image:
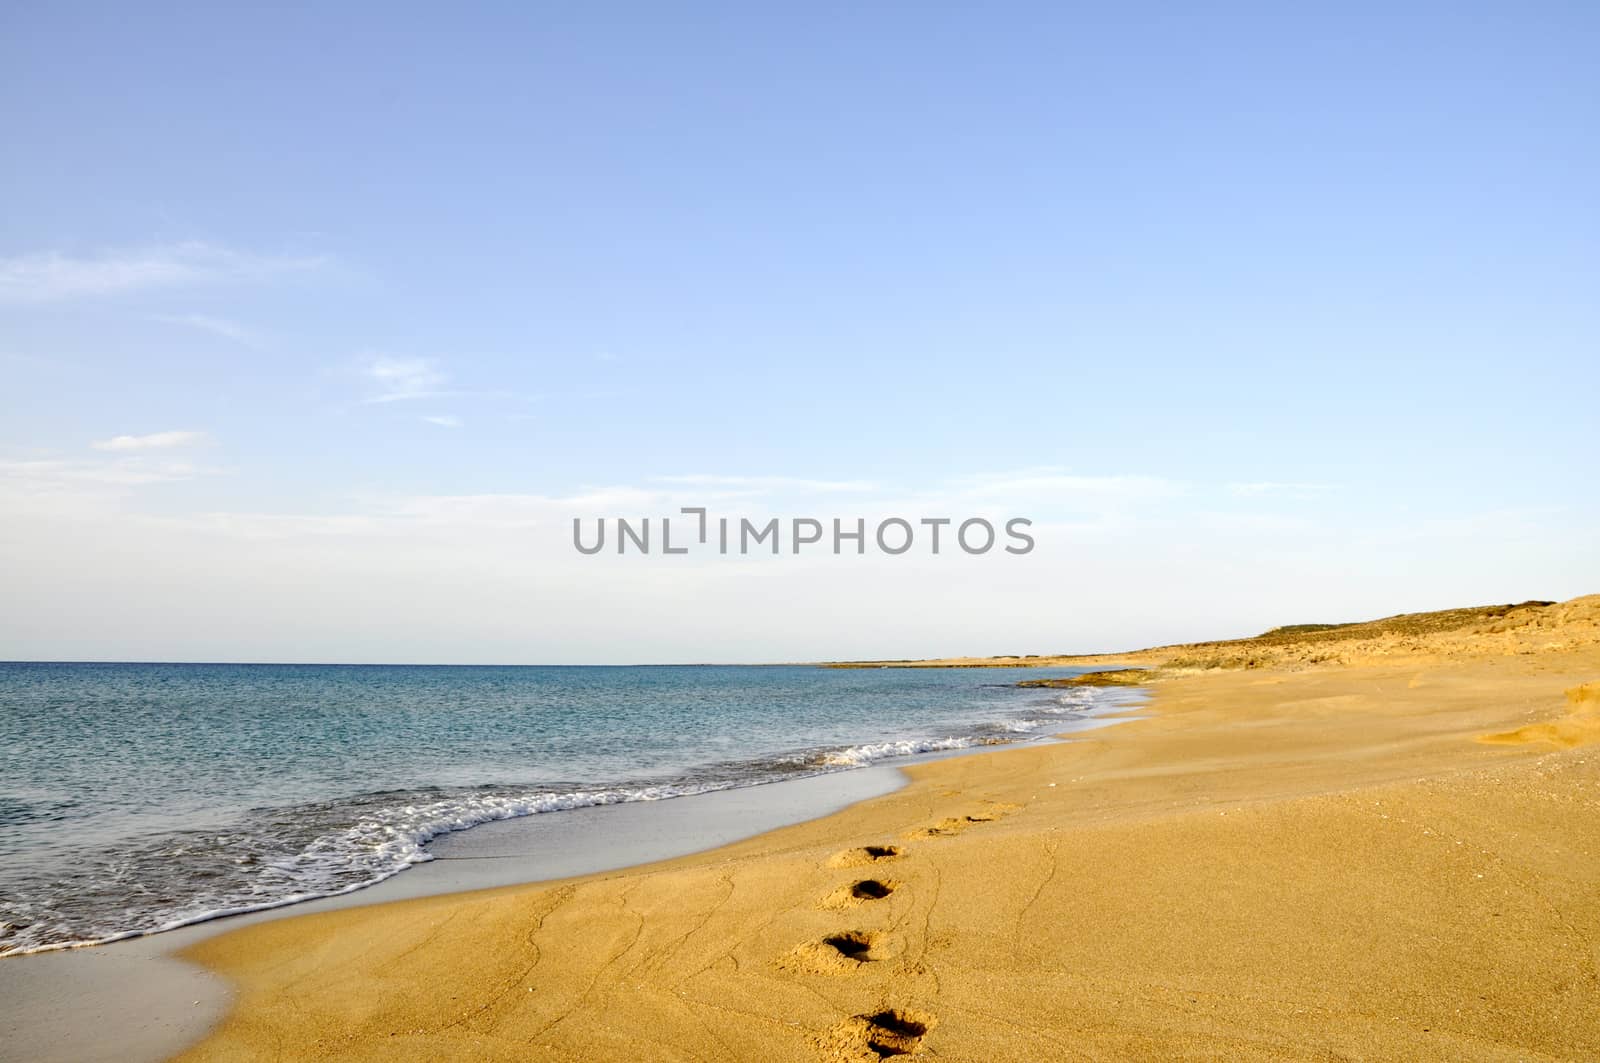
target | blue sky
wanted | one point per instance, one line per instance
(1273, 313)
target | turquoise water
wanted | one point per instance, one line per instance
(138, 797)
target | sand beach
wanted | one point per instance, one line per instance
(1372, 842)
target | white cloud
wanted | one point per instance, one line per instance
(1269, 487)
(443, 420)
(89, 487)
(153, 441)
(768, 483)
(51, 275)
(398, 517)
(452, 576)
(217, 326)
(403, 379)
(125, 472)
(1047, 483)
(389, 379)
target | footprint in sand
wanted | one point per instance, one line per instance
(845, 952)
(867, 854)
(879, 1035)
(956, 824)
(863, 892)
(942, 829)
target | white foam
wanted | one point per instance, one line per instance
(858, 756)
(384, 841)
(1017, 726)
(374, 848)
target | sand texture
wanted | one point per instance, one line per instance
(1379, 846)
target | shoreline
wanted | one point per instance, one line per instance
(1392, 854)
(150, 1003)
(268, 826)
(177, 1002)
(1274, 862)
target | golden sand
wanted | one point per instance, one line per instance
(1389, 852)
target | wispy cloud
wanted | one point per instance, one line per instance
(387, 379)
(443, 420)
(86, 486)
(767, 483)
(122, 472)
(153, 441)
(1268, 487)
(403, 379)
(216, 326)
(53, 275)
(1052, 482)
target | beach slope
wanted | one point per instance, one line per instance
(1385, 846)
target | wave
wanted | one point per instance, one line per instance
(871, 752)
(380, 844)
(276, 857)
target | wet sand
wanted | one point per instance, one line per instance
(136, 1001)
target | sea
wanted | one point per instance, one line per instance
(136, 798)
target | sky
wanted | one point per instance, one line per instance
(319, 326)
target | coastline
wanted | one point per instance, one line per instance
(119, 830)
(148, 1003)
(1389, 854)
(1275, 862)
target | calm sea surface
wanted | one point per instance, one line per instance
(139, 797)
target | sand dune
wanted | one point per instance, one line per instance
(1377, 845)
